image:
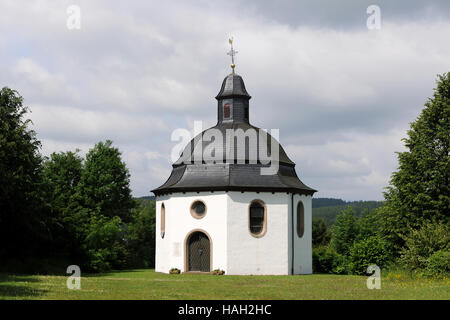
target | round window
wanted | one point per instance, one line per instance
(198, 209)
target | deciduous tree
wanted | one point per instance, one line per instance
(23, 220)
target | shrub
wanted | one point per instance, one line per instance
(340, 265)
(438, 264)
(321, 234)
(98, 260)
(140, 238)
(218, 272)
(327, 260)
(422, 244)
(322, 259)
(105, 245)
(366, 252)
(174, 271)
(345, 231)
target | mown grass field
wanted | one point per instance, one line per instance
(146, 284)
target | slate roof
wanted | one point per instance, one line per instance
(232, 171)
(188, 154)
(233, 86)
(232, 177)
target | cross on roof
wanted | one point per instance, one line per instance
(232, 53)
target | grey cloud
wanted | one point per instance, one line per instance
(343, 14)
(138, 70)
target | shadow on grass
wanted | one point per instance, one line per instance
(18, 287)
(17, 278)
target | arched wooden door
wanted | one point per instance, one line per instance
(198, 252)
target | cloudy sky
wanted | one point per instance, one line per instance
(342, 95)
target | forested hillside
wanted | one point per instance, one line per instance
(145, 201)
(326, 202)
(329, 208)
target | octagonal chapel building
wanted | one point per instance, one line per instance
(225, 214)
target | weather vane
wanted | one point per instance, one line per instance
(232, 53)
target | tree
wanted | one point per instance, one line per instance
(141, 236)
(345, 231)
(327, 260)
(62, 173)
(23, 219)
(101, 208)
(104, 244)
(320, 233)
(419, 190)
(367, 251)
(105, 183)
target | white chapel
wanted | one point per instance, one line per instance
(222, 212)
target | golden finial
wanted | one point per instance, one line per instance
(232, 53)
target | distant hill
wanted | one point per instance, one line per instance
(326, 202)
(329, 208)
(145, 200)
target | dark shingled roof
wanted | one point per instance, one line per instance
(232, 173)
(233, 86)
(188, 153)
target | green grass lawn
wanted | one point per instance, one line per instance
(146, 284)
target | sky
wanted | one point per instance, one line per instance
(341, 94)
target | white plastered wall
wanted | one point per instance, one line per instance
(170, 251)
(233, 248)
(264, 255)
(303, 245)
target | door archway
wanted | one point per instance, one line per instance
(198, 252)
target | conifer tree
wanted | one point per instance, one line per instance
(419, 189)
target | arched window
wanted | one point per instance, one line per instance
(163, 220)
(198, 209)
(300, 219)
(257, 217)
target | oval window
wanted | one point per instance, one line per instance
(300, 219)
(198, 209)
(163, 220)
(257, 218)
